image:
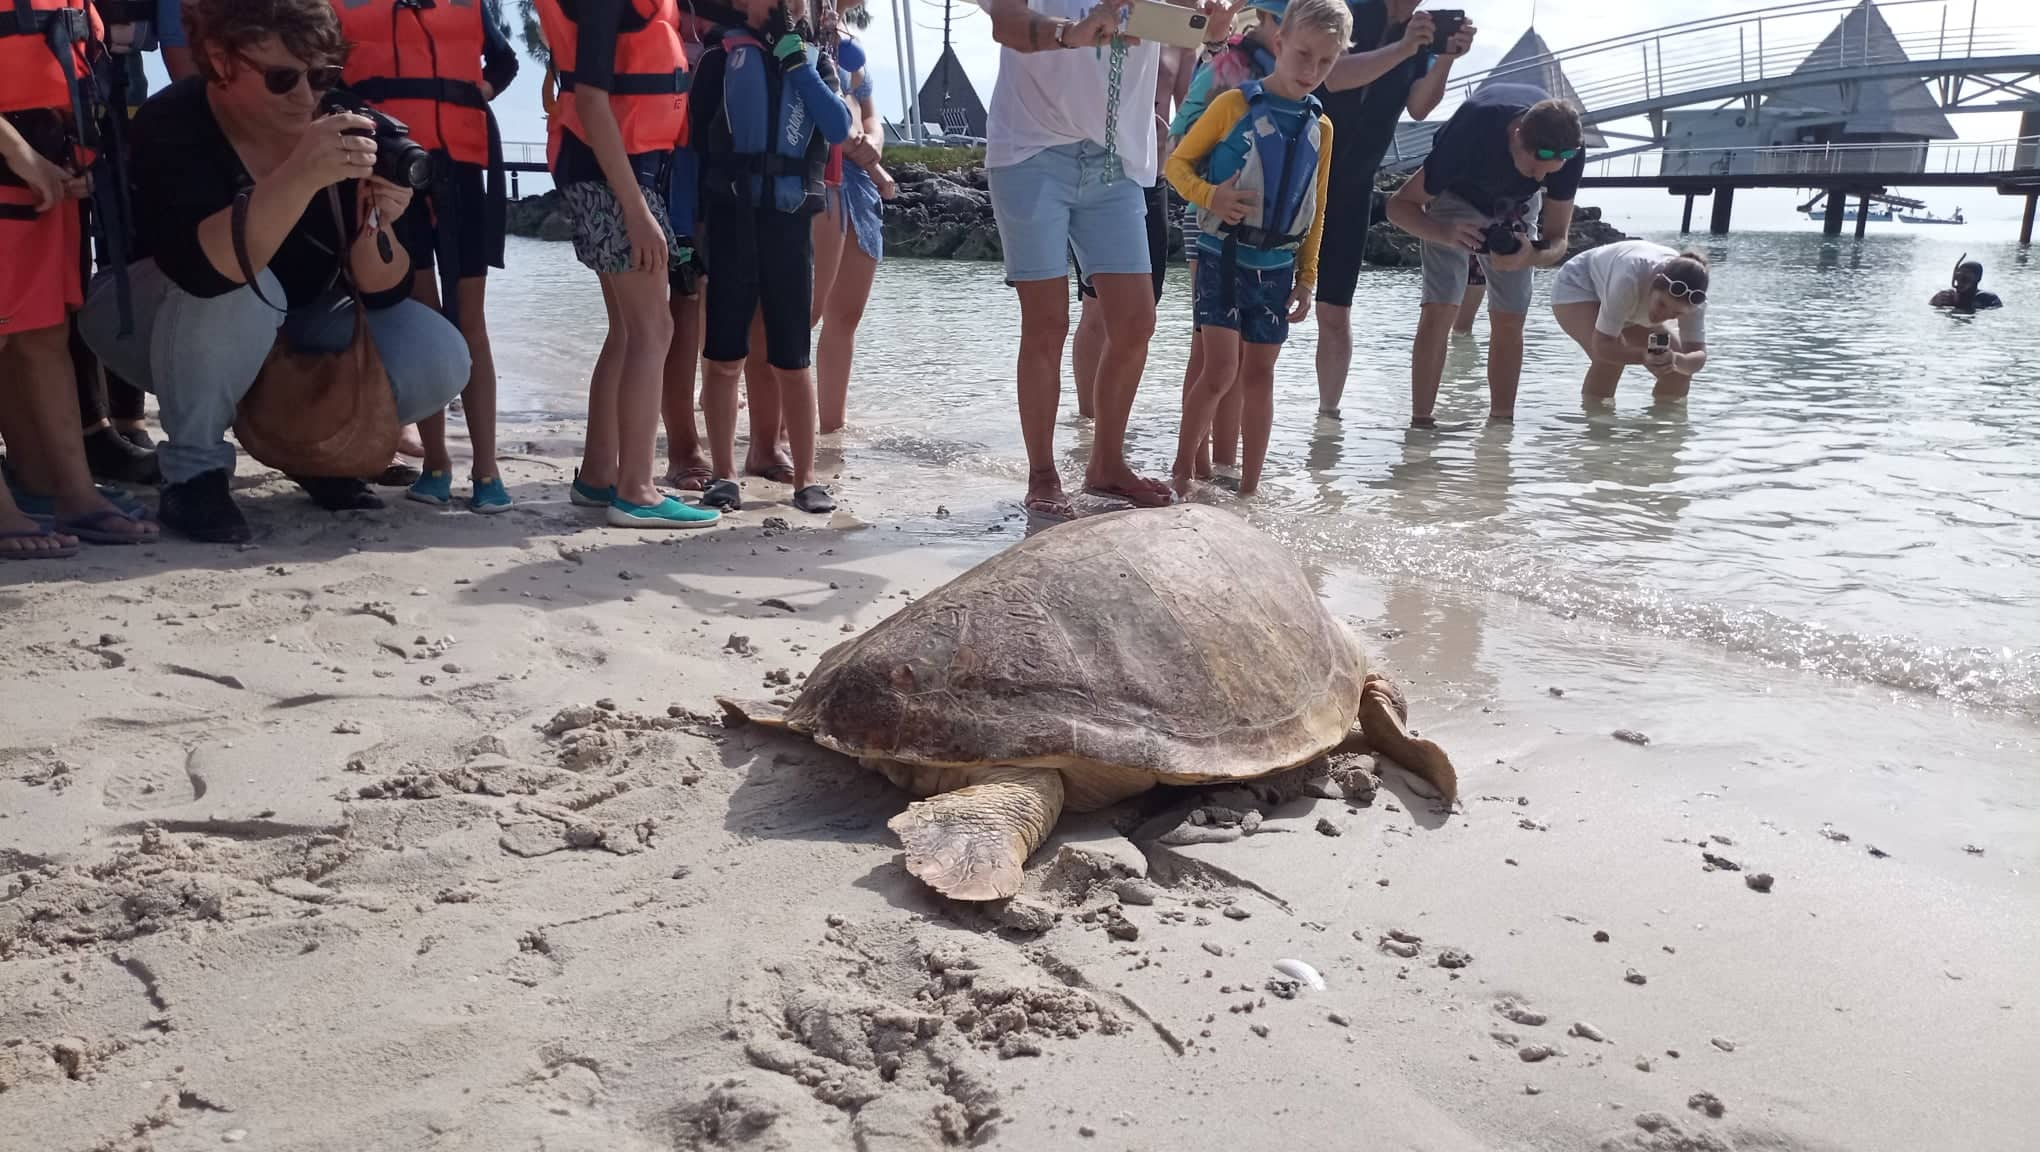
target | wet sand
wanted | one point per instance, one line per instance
(415, 830)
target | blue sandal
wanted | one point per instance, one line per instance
(91, 527)
(64, 552)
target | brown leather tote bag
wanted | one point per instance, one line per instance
(318, 414)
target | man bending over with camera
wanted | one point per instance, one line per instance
(1507, 150)
(248, 195)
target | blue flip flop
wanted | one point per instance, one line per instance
(37, 533)
(91, 527)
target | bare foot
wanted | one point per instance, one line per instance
(1124, 484)
(1045, 496)
(409, 443)
(776, 466)
(688, 473)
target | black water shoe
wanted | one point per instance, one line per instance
(202, 509)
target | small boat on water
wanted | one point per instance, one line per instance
(1879, 214)
(1925, 217)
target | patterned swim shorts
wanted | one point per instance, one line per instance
(601, 239)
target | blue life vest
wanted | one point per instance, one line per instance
(1280, 166)
(772, 148)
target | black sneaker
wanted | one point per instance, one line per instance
(114, 457)
(202, 509)
(139, 437)
(340, 493)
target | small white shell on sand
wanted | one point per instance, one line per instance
(1298, 970)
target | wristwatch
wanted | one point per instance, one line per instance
(1061, 26)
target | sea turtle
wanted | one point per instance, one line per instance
(1089, 663)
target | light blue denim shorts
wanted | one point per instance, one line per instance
(1057, 199)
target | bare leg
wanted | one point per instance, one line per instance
(478, 399)
(1225, 429)
(39, 418)
(826, 233)
(1505, 363)
(766, 456)
(838, 344)
(1578, 320)
(1427, 359)
(641, 302)
(1221, 348)
(1127, 302)
(1201, 466)
(719, 412)
(1335, 356)
(1084, 358)
(797, 413)
(1257, 409)
(1469, 307)
(599, 450)
(432, 429)
(1044, 329)
(676, 400)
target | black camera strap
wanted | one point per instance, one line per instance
(237, 226)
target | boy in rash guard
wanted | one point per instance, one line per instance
(763, 111)
(1257, 165)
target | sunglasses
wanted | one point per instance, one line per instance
(284, 81)
(1557, 153)
(1681, 290)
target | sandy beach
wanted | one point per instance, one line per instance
(420, 830)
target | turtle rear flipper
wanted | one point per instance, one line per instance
(1386, 735)
(973, 843)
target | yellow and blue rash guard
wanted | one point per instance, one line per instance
(1220, 152)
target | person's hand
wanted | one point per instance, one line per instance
(1467, 234)
(791, 51)
(387, 200)
(1219, 15)
(1299, 303)
(1517, 261)
(1098, 26)
(1461, 40)
(488, 91)
(1660, 361)
(48, 182)
(326, 154)
(861, 150)
(647, 240)
(1232, 205)
(1417, 34)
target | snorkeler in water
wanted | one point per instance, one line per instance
(1962, 293)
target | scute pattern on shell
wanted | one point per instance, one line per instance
(1180, 643)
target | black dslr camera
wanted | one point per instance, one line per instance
(398, 158)
(1502, 239)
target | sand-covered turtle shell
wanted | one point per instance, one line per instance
(1180, 645)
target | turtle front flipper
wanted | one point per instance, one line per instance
(973, 843)
(1383, 727)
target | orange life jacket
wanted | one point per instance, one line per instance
(31, 71)
(649, 93)
(422, 65)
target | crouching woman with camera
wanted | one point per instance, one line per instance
(250, 199)
(1615, 302)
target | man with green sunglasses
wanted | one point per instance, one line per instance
(1499, 183)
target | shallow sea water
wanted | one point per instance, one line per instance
(1853, 488)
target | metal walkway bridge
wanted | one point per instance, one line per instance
(1966, 61)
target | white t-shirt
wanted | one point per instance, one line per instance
(1055, 97)
(1622, 274)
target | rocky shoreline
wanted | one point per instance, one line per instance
(948, 216)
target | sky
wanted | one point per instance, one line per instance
(1564, 24)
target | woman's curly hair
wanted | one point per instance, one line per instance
(308, 30)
